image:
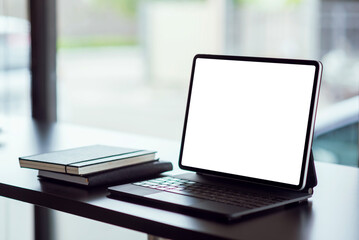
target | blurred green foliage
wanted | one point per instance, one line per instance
(125, 7)
(284, 2)
(95, 41)
(129, 7)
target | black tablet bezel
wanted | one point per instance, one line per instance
(310, 125)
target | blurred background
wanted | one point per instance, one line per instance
(125, 65)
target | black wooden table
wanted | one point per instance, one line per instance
(332, 213)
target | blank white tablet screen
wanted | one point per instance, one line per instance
(249, 118)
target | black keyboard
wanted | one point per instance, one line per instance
(211, 192)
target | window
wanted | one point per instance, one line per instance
(14, 100)
(14, 58)
(125, 64)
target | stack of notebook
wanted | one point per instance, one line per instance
(96, 165)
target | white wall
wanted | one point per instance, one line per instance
(175, 31)
(16, 220)
(70, 227)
